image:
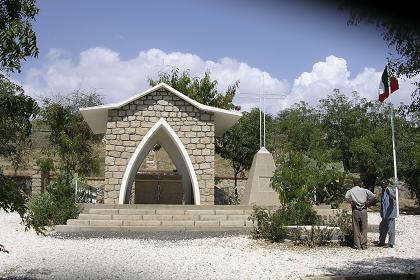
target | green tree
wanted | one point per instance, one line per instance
(372, 149)
(17, 111)
(71, 137)
(342, 123)
(373, 156)
(72, 141)
(408, 157)
(301, 178)
(300, 128)
(240, 143)
(400, 29)
(15, 118)
(19, 159)
(203, 90)
(17, 39)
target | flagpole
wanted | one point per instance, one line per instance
(394, 153)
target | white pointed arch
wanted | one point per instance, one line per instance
(174, 147)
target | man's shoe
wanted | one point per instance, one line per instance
(380, 245)
(390, 246)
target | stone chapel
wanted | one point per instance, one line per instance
(161, 116)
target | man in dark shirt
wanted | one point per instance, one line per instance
(388, 214)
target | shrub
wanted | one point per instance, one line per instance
(53, 207)
(268, 224)
(316, 236)
(300, 213)
(41, 210)
(344, 222)
(271, 224)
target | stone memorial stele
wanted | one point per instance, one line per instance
(258, 189)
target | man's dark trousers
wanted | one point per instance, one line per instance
(360, 227)
(387, 226)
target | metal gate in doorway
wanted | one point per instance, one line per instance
(159, 188)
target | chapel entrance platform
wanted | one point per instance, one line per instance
(161, 218)
(155, 217)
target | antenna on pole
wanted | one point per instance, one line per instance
(263, 109)
(261, 97)
(163, 65)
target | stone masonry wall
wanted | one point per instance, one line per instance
(36, 179)
(126, 127)
(228, 185)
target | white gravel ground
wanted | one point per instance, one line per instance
(224, 257)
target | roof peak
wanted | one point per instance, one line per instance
(97, 116)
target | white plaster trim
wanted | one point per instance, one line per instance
(97, 116)
(181, 148)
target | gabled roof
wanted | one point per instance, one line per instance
(97, 116)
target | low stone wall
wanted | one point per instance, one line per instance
(99, 184)
(225, 187)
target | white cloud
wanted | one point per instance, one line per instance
(117, 79)
(333, 73)
(103, 69)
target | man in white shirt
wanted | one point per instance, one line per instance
(359, 199)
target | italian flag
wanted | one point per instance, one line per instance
(387, 83)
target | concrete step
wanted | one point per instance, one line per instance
(96, 208)
(178, 217)
(209, 214)
(77, 228)
(127, 218)
(153, 225)
(164, 211)
(74, 228)
(164, 206)
(148, 217)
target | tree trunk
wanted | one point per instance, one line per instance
(236, 185)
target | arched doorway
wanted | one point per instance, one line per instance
(163, 134)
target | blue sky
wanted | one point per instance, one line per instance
(303, 51)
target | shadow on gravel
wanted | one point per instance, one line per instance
(164, 236)
(17, 278)
(384, 265)
(38, 271)
(408, 210)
